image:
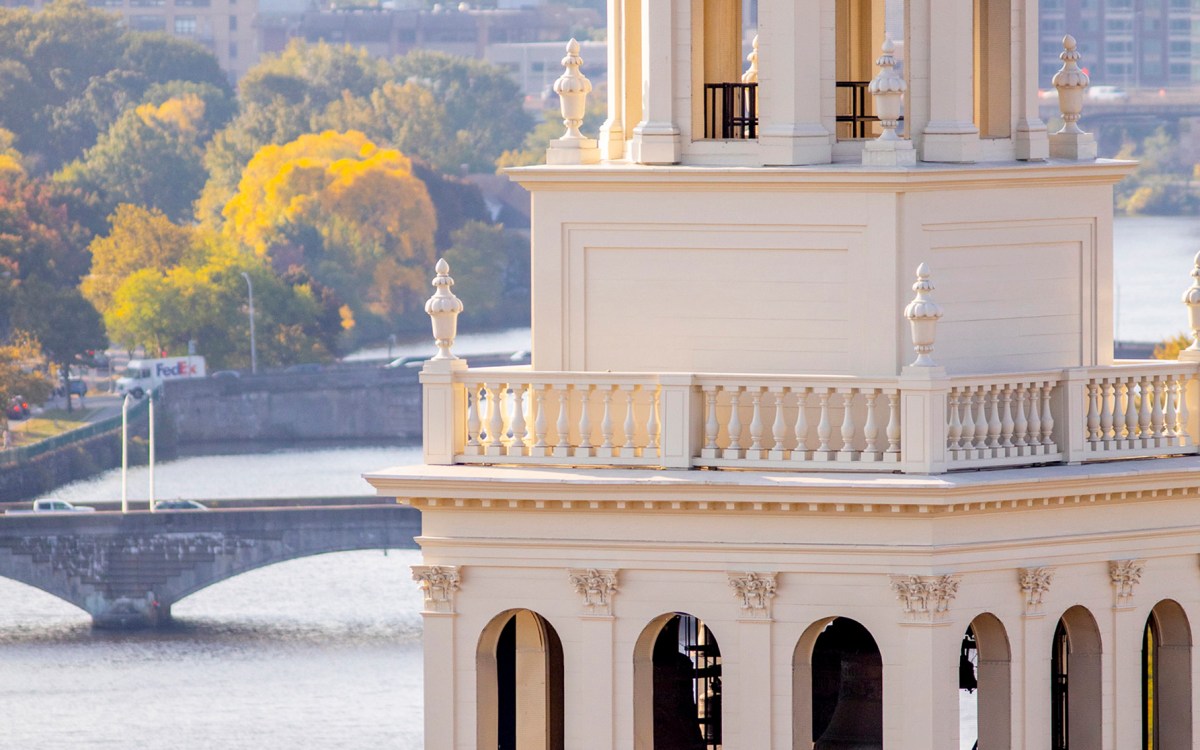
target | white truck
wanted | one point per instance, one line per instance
(52, 506)
(144, 375)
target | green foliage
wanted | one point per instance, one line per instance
(21, 372)
(1161, 184)
(490, 267)
(66, 325)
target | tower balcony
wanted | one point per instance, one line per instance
(919, 422)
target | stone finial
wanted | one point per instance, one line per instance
(1125, 575)
(888, 88)
(751, 74)
(1191, 298)
(1035, 582)
(754, 591)
(597, 587)
(443, 308)
(923, 314)
(1071, 142)
(439, 584)
(573, 88)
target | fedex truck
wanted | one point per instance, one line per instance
(144, 375)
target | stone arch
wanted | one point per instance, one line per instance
(1167, 678)
(992, 72)
(1075, 688)
(519, 683)
(837, 682)
(677, 685)
(992, 676)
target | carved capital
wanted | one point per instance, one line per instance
(439, 584)
(754, 592)
(597, 587)
(1035, 582)
(1125, 575)
(926, 598)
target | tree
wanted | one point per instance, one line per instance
(351, 213)
(21, 373)
(66, 325)
(315, 75)
(490, 267)
(151, 156)
(139, 238)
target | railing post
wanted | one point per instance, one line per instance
(1070, 414)
(443, 410)
(923, 417)
(681, 407)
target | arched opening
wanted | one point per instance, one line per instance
(985, 685)
(724, 99)
(519, 666)
(677, 686)
(837, 683)
(1075, 709)
(1167, 679)
(993, 68)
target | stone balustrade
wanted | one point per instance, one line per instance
(516, 415)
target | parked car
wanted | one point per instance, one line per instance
(78, 388)
(52, 506)
(180, 505)
(18, 408)
(1107, 94)
(226, 375)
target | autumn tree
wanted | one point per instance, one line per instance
(65, 324)
(491, 273)
(139, 238)
(351, 213)
(20, 372)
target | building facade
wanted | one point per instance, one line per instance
(823, 444)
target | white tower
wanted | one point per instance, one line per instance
(737, 501)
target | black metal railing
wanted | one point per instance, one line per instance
(853, 116)
(731, 111)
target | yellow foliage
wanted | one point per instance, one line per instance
(183, 114)
(1170, 348)
(139, 238)
(10, 165)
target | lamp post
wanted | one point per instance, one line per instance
(125, 453)
(253, 349)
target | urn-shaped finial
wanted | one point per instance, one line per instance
(888, 89)
(1191, 298)
(1070, 82)
(751, 74)
(572, 88)
(923, 314)
(443, 308)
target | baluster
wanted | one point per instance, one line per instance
(981, 422)
(473, 423)
(1035, 417)
(606, 424)
(1093, 413)
(1020, 423)
(539, 422)
(711, 426)
(994, 425)
(1156, 411)
(734, 426)
(562, 449)
(824, 428)
(1107, 398)
(652, 424)
(1132, 412)
(1184, 428)
(778, 426)
(629, 449)
(1118, 418)
(1169, 418)
(954, 425)
(968, 423)
(518, 427)
(1047, 417)
(585, 448)
(847, 452)
(800, 453)
(893, 425)
(756, 424)
(1145, 412)
(495, 446)
(1006, 419)
(870, 428)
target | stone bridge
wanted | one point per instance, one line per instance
(126, 570)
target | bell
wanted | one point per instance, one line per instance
(857, 720)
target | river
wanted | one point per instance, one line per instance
(323, 652)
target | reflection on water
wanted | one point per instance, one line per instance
(322, 652)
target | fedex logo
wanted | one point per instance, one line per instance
(179, 369)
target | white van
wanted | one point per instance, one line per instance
(144, 375)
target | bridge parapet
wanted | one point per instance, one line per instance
(128, 570)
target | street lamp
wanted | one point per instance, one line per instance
(253, 349)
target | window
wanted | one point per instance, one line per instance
(233, 50)
(185, 25)
(233, 23)
(147, 23)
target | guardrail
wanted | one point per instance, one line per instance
(918, 422)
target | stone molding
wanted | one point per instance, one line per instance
(754, 592)
(926, 598)
(1125, 576)
(597, 586)
(1035, 582)
(439, 583)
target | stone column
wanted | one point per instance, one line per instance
(941, 49)
(596, 658)
(753, 594)
(789, 89)
(437, 640)
(443, 410)
(1030, 139)
(612, 132)
(920, 703)
(1126, 638)
(656, 138)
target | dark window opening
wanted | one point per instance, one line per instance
(687, 686)
(847, 689)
